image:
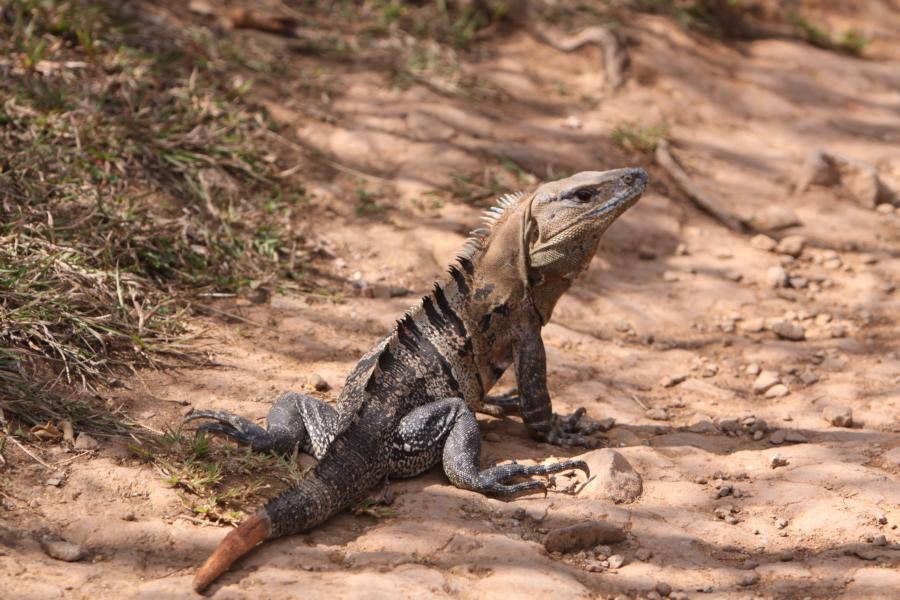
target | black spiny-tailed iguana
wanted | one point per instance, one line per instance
(409, 403)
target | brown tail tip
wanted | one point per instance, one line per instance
(237, 543)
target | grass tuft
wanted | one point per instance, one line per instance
(134, 174)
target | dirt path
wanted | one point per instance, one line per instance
(672, 295)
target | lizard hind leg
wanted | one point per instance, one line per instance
(294, 420)
(447, 430)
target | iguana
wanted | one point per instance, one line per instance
(409, 404)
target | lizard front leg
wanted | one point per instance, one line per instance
(534, 398)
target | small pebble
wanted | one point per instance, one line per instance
(320, 384)
(763, 242)
(777, 391)
(781, 523)
(670, 276)
(63, 550)
(749, 579)
(777, 277)
(838, 415)
(128, 516)
(779, 461)
(765, 380)
(657, 414)
(663, 589)
(643, 554)
(786, 555)
(616, 561)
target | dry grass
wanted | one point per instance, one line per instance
(134, 175)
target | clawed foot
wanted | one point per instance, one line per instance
(569, 430)
(237, 428)
(501, 405)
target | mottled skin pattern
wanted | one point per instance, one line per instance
(409, 403)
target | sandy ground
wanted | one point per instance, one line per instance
(672, 294)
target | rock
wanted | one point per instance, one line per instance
(881, 518)
(823, 319)
(643, 554)
(616, 561)
(657, 414)
(786, 555)
(879, 540)
(838, 415)
(749, 579)
(663, 589)
(885, 208)
(606, 424)
(729, 424)
(62, 550)
(613, 477)
(788, 330)
(799, 283)
(320, 384)
(777, 277)
(645, 253)
(778, 436)
(763, 242)
(781, 523)
(778, 390)
(809, 377)
(128, 516)
(678, 596)
(86, 442)
(703, 425)
(765, 380)
(838, 330)
(753, 325)
(791, 245)
(670, 276)
(795, 437)
(56, 479)
(775, 217)
(673, 380)
(779, 461)
(573, 122)
(582, 536)
(752, 369)
(859, 178)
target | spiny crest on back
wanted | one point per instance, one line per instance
(490, 217)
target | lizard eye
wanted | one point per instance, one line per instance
(628, 179)
(584, 195)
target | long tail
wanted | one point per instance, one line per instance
(336, 482)
(238, 542)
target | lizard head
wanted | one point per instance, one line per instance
(565, 222)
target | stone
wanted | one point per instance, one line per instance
(643, 554)
(788, 330)
(657, 414)
(749, 579)
(809, 377)
(616, 561)
(792, 245)
(128, 516)
(763, 242)
(765, 380)
(753, 325)
(86, 442)
(646, 253)
(614, 478)
(838, 330)
(777, 277)
(702, 425)
(753, 369)
(795, 437)
(320, 384)
(778, 390)
(582, 536)
(670, 277)
(786, 555)
(62, 550)
(673, 380)
(779, 461)
(663, 589)
(729, 424)
(838, 415)
(775, 217)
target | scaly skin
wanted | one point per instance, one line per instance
(409, 403)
